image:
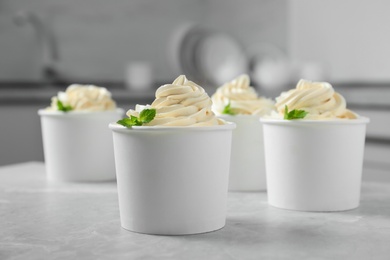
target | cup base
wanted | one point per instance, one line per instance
(315, 209)
(177, 229)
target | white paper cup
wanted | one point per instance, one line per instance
(314, 165)
(247, 166)
(172, 180)
(78, 146)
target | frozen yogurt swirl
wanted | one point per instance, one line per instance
(242, 98)
(319, 99)
(84, 98)
(182, 103)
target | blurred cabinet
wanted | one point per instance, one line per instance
(20, 134)
(377, 151)
(377, 161)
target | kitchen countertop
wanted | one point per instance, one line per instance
(42, 220)
(43, 95)
(369, 95)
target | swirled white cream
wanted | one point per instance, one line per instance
(242, 98)
(319, 99)
(84, 98)
(182, 103)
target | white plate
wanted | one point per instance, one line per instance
(207, 57)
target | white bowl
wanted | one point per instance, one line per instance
(247, 166)
(78, 146)
(172, 180)
(314, 165)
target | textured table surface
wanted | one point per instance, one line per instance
(40, 220)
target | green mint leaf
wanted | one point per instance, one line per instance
(286, 112)
(228, 110)
(130, 121)
(294, 114)
(63, 108)
(126, 122)
(147, 115)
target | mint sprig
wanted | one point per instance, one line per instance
(294, 114)
(228, 110)
(145, 117)
(62, 107)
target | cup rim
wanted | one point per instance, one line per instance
(56, 113)
(278, 121)
(119, 128)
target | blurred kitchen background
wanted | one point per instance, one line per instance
(132, 47)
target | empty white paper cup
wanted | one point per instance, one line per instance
(247, 166)
(172, 180)
(77, 145)
(314, 165)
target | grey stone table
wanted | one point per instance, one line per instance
(40, 220)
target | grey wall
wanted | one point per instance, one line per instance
(349, 38)
(97, 38)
